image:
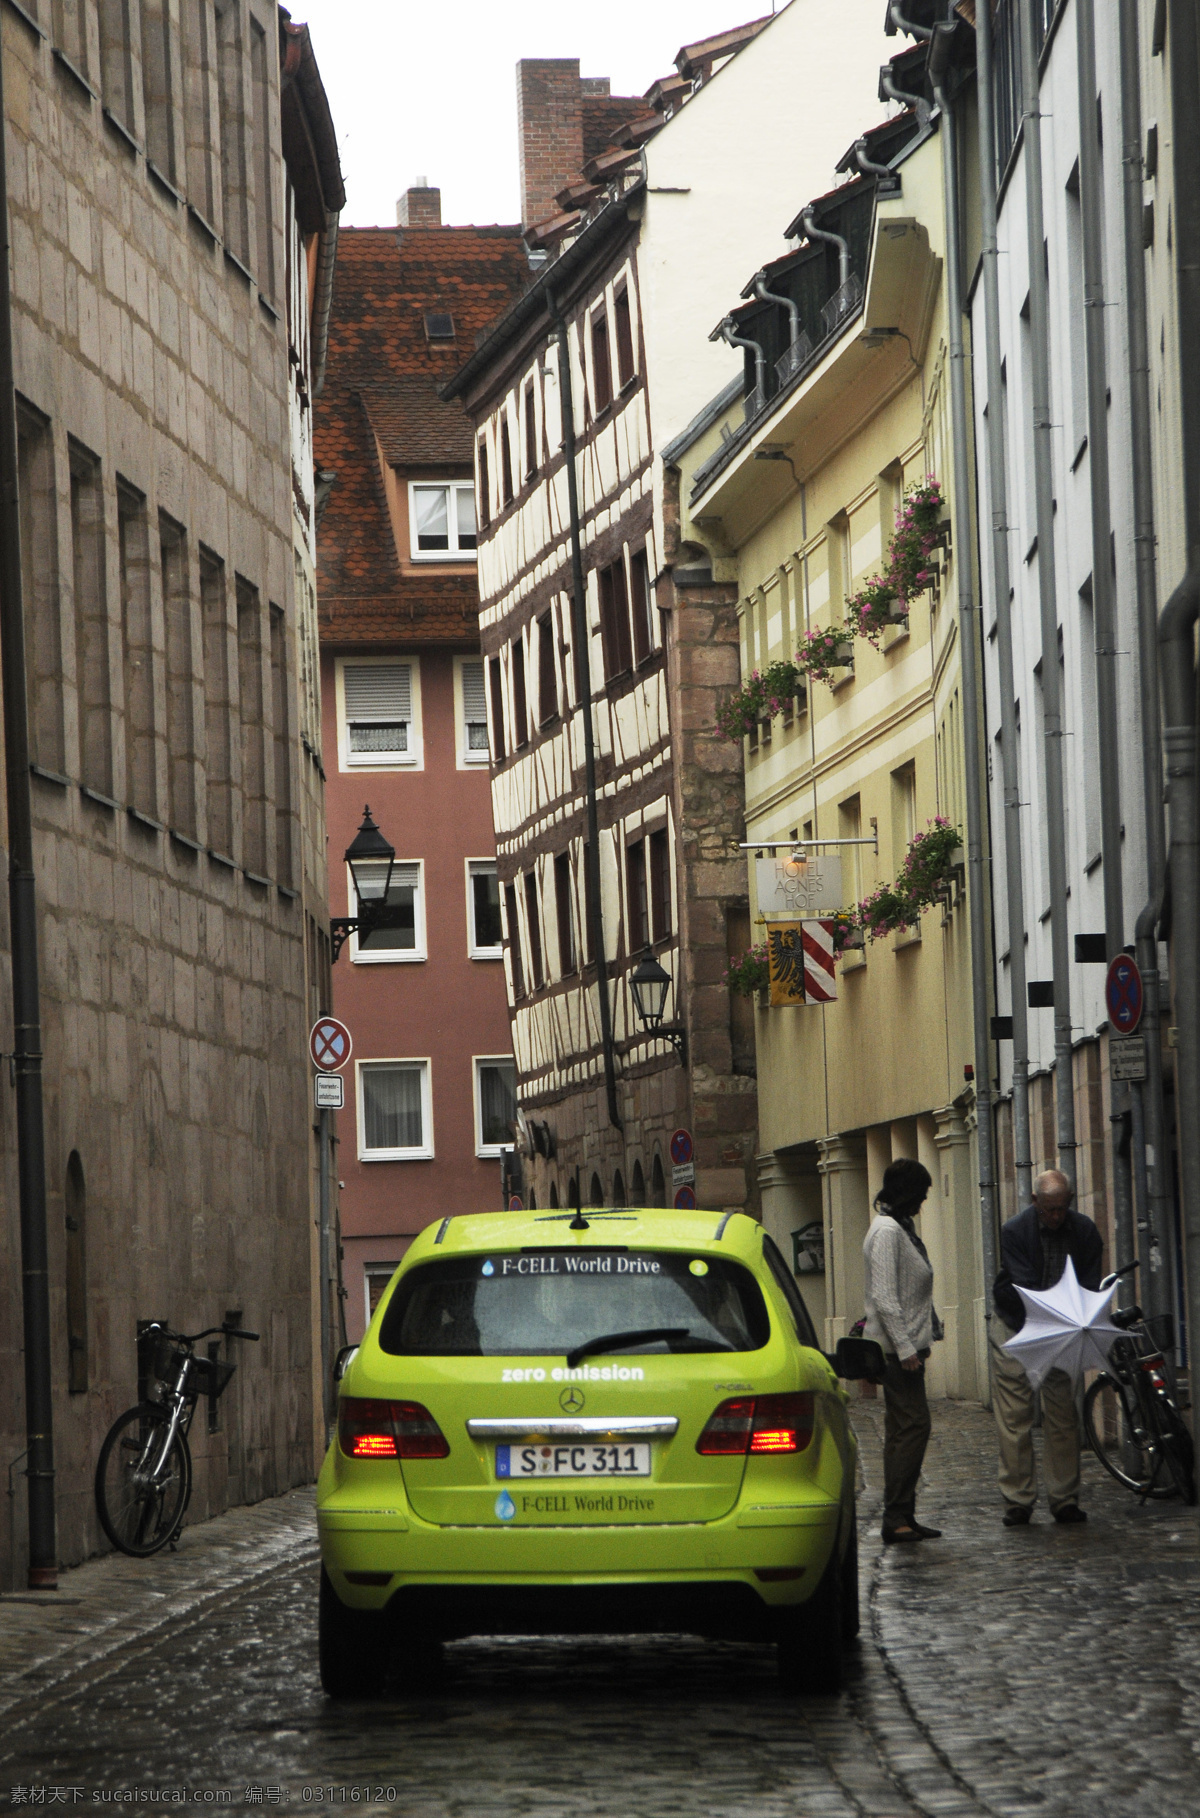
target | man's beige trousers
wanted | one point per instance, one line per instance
(1012, 1404)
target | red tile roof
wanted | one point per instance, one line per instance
(381, 380)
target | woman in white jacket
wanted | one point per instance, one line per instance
(900, 1317)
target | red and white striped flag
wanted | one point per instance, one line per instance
(820, 977)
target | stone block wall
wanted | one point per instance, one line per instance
(151, 364)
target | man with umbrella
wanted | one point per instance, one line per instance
(1034, 1248)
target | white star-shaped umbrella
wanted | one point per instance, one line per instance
(1066, 1328)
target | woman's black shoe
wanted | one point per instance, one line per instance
(924, 1533)
(909, 1531)
(1016, 1515)
(1069, 1513)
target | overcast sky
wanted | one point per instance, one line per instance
(421, 89)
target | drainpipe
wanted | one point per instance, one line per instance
(22, 899)
(1002, 589)
(1043, 473)
(808, 223)
(724, 332)
(1150, 1154)
(889, 91)
(579, 635)
(968, 615)
(769, 296)
(889, 179)
(1177, 650)
(1176, 635)
(1103, 584)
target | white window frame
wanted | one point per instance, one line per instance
(474, 952)
(414, 757)
(454, 554)
(486, 1151)
(470, 760)
(392, 956)
(423, 1152)
(369, 1269)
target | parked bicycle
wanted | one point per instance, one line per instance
(144, 1474)
(1129, 1413)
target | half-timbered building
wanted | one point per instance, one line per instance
(619, 809)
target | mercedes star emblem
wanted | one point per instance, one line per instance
(571, 1400)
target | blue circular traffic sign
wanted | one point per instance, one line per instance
(685, 1199)
(681, 1148)
(1123, 994)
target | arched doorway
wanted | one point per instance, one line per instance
(618, 1197)
(595, 1192)
(639, 1185)
(658, 1183)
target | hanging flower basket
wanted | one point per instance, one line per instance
(749, 975)
(822, 653)
(926, 877)
(762, 696)
(874, 607)
(929, 862)
(918, 533)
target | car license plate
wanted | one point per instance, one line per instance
(586, 1460)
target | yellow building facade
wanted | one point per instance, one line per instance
(797, 505)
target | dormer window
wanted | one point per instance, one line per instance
(439, 325)
(442, 520)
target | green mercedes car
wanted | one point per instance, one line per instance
(596, 1422)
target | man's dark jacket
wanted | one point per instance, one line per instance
(1021, 1259)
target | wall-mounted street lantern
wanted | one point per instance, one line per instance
(649, 984)
(370, 859)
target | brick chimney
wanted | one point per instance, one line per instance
(550, 130)
(419, 206)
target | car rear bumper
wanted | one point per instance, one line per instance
(570, 1566)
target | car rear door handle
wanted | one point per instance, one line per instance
(587, 1426)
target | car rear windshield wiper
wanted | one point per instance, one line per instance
(616, 1341)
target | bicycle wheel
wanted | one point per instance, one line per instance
(1177, 1449)
(141, 1502)
(1108, 1421)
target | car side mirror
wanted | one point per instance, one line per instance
(343, 1360)
(858, 1359)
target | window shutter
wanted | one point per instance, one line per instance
(474, 701)
(378, 691)
(378, 706)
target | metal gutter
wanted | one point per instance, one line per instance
(968, 629)
(1014, 861)
(1052, 720)
(1104, 607)
(704, 419)
(1150, 1155)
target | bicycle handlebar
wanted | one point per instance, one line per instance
(1110, 1281)
(193, 1338)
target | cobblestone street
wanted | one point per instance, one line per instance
(998, 1670)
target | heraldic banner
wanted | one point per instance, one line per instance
(785, 963)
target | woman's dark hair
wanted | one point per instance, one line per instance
(905, 1184)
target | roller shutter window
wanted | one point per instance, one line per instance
(474, 712)
(378, 702)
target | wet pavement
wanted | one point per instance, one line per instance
(1034, 1671)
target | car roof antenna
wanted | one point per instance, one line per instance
(579, 1222)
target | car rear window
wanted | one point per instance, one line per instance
(545, 1303)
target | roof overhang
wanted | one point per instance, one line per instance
(812, 418)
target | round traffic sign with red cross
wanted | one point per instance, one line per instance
(329, 1044)
(681, 1148)
(1123, 994)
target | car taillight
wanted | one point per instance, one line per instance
(759, 1423)
(388, 1429)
